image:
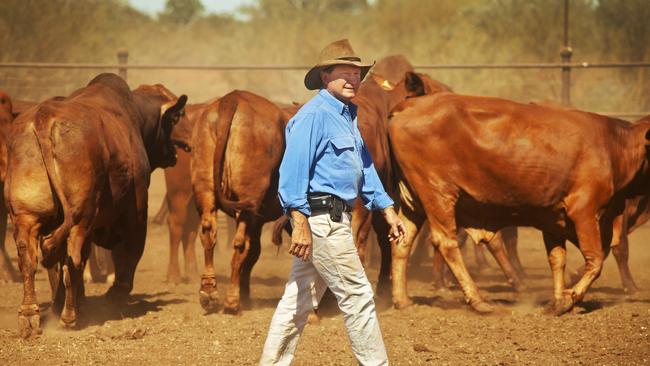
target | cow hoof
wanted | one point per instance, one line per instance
(631, 289)
(117, 296)
(313, 319)
(482, 306)
(383, 290)
(69, 322)
(29, 320)
(209, 301)
(560, 306)
(519, 286)
(231, 305)
(402, 304)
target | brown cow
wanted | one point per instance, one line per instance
(78, 171)
(7, 272)
(389, 82)
(182, 217)
(237, 146)
(486, 163)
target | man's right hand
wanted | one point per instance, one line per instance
(301, 236)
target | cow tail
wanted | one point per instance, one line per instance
(43, 131)
(226, 112)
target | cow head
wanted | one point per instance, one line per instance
(162, 111)
(171, 113)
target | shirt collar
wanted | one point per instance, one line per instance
(337, 104)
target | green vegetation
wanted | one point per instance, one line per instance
(293, 31)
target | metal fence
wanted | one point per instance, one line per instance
(565, 68)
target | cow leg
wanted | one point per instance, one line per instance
(99, 263)
(78, 250)
(556, 251)
(442, 222)
(26, 238)
(361, 225)
(208, 293)
(479, 257)
(621, 253)
(400, 256)
(189, 241)
(7, 272)
(591, 247)
(509, 235)
(126, 256)
(175, 223)
(241, 245)
(441, 276)
(246, 260)
(383, 282)
(621, 250)
(162, 213)
(497, 249)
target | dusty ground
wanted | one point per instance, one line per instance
(164, 324)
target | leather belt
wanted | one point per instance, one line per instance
(322, 203)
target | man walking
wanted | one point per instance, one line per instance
(325, 167)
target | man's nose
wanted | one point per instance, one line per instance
(354, 80)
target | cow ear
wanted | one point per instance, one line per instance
(383, 83)
(414, 84)
(173, 112)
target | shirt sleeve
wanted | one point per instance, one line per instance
(373, 194)
(303, 136)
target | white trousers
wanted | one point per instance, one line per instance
(335, 264)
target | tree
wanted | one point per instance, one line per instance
(181, 12)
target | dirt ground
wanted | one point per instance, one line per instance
(164, 324)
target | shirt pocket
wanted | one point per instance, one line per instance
(343, 154)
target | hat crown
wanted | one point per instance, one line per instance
(338, 50)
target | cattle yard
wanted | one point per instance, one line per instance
(164, 324)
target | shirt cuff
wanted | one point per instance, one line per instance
(304, 209)
(379, 202)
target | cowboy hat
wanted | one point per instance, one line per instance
(335, 53)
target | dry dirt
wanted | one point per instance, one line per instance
(164, 324)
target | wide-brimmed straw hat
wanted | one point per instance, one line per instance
(335, 53)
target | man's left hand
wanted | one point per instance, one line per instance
(397, 229)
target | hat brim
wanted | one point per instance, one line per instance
(312, 78)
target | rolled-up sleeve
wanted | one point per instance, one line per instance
(303, 136)
(373, 194)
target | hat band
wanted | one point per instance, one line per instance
(357, 59)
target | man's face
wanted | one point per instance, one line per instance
(342, 81)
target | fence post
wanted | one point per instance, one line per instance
(565, 54)
(122, 59)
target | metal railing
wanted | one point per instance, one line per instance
(122, 66)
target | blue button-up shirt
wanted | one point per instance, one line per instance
(325, 153)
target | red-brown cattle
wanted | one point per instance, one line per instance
(486, 163)
(389, 82)
(237, 144)
(78, 172)
(182, 217)
(7, 272)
